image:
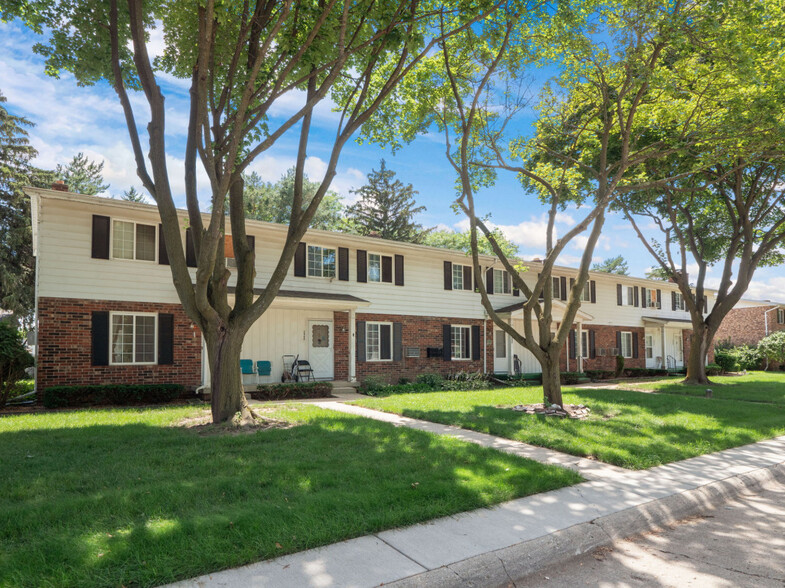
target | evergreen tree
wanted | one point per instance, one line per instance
(270, 202)
(83, 176)
(613, 265)
(386, 208)
(133, 195)
(17, 267)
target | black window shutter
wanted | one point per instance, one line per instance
(659, 298)
(299, 260)
(360, 341)
(399, 270)
(163, 254)
(563, 287)
(190, 249)
(592, 345)
(448, 275)
(619, 295)
(446, 342)
(343, 264)
(643, 298)
(362, 265)
(165, 339)
(516, 292)
(385, 352)
(467, 278)
(673, 300)
(476, 342)
(634, 345)
(387, 269)
(489, 280)
(100, 245)
(618, 341)
(635, 295)
(397, 341)
(99, 334)
(593, 291)
(572, 344)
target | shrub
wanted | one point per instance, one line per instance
(570, 378)
(372, 384)
(748, 358)
(117, 394)
(600, 374)
(292, 390)
(644, 372)
(772, 347)
(713, 369)
(619, 365)
(724, 360)
(14, 360)
(434, 381)
(404, 381)
(466, 381)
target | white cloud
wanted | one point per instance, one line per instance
(771, 289)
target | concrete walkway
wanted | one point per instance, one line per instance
(496, 546)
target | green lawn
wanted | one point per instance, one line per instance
(630, 429)
(121, 497)
(754, 387)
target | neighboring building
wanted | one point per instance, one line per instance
(353, 306)
(750, 321)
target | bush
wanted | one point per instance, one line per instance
(372, 384)
(466, 381)
(644, 372)
(748, 358)
(116, 394)
(713, 369)
(600, 374)
(570, 378)
(14, 360)
(619, 365)
(724, 360)
(773, 347)
(292, 390)
(432, 380)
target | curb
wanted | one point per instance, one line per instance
(504, 567)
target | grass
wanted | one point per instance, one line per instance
(630, 429)
(121, 497)
(754, 387)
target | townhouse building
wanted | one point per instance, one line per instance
(750, 321)
(353, 306)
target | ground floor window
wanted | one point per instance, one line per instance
(378, 341)
(626, 344)
(133, 338)
(584, 344)
(461, 342)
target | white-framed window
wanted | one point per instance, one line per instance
(501, 282)
(500, 345)
(649, 344)
(133, 338)
(131, 240)
(651, 299)
(556, 289)
(321, 261)
(584, 344)
(781, 316)
(586, 295)
(626, 344)
(374, 267)
(378, 341)
(679, 299)
(461, 338)
(457, 276)
(631, 295)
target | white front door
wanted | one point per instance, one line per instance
(500, 351)
(320, 349)
(678, 348)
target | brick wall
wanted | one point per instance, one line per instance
(341, 345)
(422, 332)
(747, 326)
(64, 346)
(605, 338)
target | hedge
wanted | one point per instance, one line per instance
(292, 390)
(600, 374)
(645, 372)
(117, 394)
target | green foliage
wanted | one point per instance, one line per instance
(748, 357)
(110, 394)
(570, 378)
(292, 390)
(658, 273)
(82, 175)
(463, 381)
(613, 265)
(133, 195)
(272, 202)
(14, 360)
(600, 374)
(644, 372)
(386, 208)
(619, 365)
(725, 360)
(372, 385)
(447, 239)
(772, 347)
(713, 369)
(433, 380)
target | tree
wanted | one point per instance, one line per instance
(657, 273)
(270, 202)
(133, 195)
(82, 175)
(241, 58)
(772, 347)
(612, 265)
(17, 265)
(14, 360)
(462, 242)
(386, 208)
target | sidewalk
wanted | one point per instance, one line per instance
(495, 546)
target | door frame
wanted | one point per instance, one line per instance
(331, 346)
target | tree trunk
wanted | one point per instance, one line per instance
(551, 380)
(226, 385)
(696, 363)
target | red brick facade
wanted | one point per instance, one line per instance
(64, 346)
(605, 338)
(422, 332)
(747, 326)
(341, 345)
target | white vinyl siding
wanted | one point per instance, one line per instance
(133, 338)
(321, 262)
(461, 342)
(626, 344)
(133, 241)
(374, 334)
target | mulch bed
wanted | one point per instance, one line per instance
(203, 424)
(573, 411)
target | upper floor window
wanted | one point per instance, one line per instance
(321, 262)
(133, 241)
(556, 289)
(133, 338)
(631, 295)
(626, 344)
(374, 267)
(457, 277)
(652, 300)
(678, 301)
(501, 282)
(586, 294)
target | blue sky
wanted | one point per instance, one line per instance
(71, 119)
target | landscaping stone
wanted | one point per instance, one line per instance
(573, 411)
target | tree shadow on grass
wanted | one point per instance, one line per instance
(135, 504)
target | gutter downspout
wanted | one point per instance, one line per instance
(485, 342)
(765, 328)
